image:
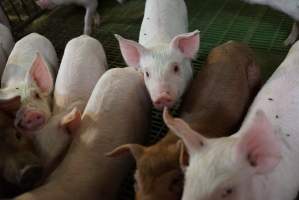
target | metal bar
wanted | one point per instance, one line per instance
(15, 9)
(25, 7)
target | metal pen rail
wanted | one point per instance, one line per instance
(20, 13)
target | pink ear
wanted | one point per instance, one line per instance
(135, 149)
(260, 145)
(193, 140)
(41, 75)
(131, 51)
(187, 44)
(71, 121)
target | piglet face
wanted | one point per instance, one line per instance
(31, 99)
(166, 68)
(34, 112)
(167, 78)
(225, 168)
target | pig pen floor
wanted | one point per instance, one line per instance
(218, 20)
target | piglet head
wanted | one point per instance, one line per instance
(166, 69)
(46, 4)
(158, 175)
(224, 168)
(32, 99)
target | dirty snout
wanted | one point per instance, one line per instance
(29, 119)
(23, 170)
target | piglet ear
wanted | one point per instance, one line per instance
(71, 121)
(187, 44)
(41, 75)
(184, 156)
(260, 145)
(135, 149)
(193, 140)
(131, 51)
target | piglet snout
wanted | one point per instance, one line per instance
(164, 100)
(31, 120)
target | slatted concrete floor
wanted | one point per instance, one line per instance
(218, 20)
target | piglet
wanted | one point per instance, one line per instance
(20, 168)
(29, 74)
(164, 51)
(90, 6)
(261, 160)
(215, 104)
(6, 45)
(118, 112)
(289, 7)
(83, 63)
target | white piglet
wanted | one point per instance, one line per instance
(6, 45)
(261, 160)
(91, 14)
(164, 51)
(27, 82)
(83, 63)
(289, 7)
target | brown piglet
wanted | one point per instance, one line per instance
(215, 105)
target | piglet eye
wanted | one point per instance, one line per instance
(176, 68)
(147, 74)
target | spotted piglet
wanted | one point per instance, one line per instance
(261, 160)
(164, 51)
(27, 82)
(215, 105)
(90, 6)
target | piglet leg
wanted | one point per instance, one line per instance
(91, 14)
